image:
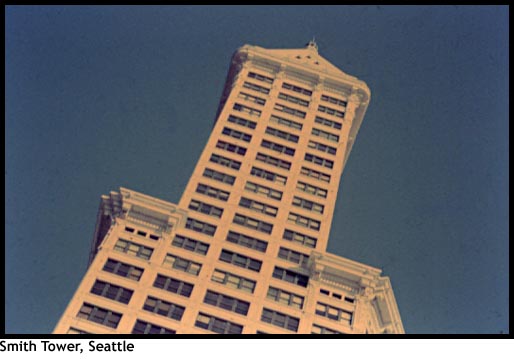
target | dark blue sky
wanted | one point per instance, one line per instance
(103, 97)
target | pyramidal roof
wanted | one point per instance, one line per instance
(306, 57)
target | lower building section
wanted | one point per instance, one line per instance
(154, 269)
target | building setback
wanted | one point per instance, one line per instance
(244, 250)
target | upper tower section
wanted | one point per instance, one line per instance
(305, 65)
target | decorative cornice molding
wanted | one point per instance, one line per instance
(147, 211)
(372, 291)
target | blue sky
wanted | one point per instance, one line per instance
(103, 97)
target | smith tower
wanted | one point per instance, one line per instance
(244, 251)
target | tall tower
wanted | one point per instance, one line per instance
(244, 251)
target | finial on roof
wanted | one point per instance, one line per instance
(312, 44)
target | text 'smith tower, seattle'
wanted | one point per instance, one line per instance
(244, 251)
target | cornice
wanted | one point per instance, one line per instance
(372, 290)
(146, 211)
(284, 60)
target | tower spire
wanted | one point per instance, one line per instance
(312, 44)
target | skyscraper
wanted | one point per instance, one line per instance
(244, 251)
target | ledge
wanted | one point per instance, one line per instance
(143, 210)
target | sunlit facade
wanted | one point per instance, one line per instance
(244, 250)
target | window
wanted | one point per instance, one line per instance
(310, 189)
(233, 281)
(219, 176)
(133, 249)
(330, 111)
(273, 161)
(281, 134)
(190, 244)
(320, 161)
(262, 78)
(173, 285)
(258, 206)
(336, 295)
(253, 223)
(333, 100)
(324, 134)
(315, 174)
(238, 135)
(284, 297)
(182, 264)
(290, 276)
(255, 87)
(268, 176)
(299, 238)
(303, 221)
(280, 319)
(76, 331)
(225, 161)
(217, 325)
(231, 147)
(286, 122)
(212, 192)
(333, 313)
(308, 205)
(142, 233)
(142, 327)
(123, 269)
(293, 256)
(289, 110)
(318, 329)
(99, 315)
(226, 302)
(164, 308)
(205, 208)
(201, 227)
(242, 122)
(321, 147)
(293, 99)
(112, 291)
(328, 123)
(248, 110)
(263, 190)
(247, 241)
(277, 148)
(296, 89)
(240, 260)
(248, 97)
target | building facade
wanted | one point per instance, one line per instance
(244, 250)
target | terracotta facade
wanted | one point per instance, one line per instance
(244, 250)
